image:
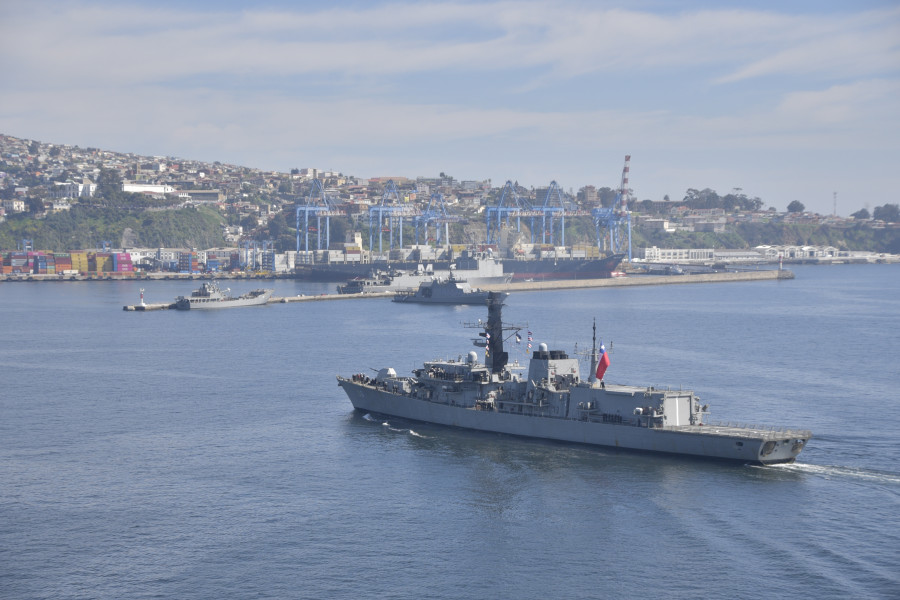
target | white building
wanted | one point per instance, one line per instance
(71, 189)
(654, 254)
(14, 206)
(147, 188)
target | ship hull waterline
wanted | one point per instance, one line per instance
(674, 441)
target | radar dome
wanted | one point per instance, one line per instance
(473, 357)
(542, 347)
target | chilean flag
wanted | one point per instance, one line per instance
(603, 363)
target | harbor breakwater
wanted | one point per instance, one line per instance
(536, 286)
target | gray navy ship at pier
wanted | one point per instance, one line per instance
(443, 291)
(211, 296)
(552, 401)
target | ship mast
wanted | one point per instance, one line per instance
(594, 356)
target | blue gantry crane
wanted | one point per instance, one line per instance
(613, 224)
(554, 209)
(509, 205)
(437, 216)
(319, 205)
(388, 216)
(258, 256)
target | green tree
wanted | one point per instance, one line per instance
(796, 207)
(889, 213)
(861, 215)
(35, 205)
(109, 185)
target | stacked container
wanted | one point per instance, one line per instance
(100, 262)
(122, 263)
(80, 261)
(63, 261)
(188, 262)
(18, 263)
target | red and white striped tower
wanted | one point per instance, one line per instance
(623, 187)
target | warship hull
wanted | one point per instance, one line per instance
(444, 291)
(762, 447)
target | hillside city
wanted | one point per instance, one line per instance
(259, 211)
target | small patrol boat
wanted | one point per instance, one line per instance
(552, 401)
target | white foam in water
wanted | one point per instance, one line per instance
(832, 471)
(388, 425)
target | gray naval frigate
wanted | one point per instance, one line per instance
(553, 402)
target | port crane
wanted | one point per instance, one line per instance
(258, 256)
(387, 216)
(555, 209)
(510, 204)
(552, 213)
(435, 214)
(319, 204)
(613, 225)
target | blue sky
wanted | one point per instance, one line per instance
(785, 100)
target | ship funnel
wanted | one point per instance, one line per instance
(494, 328)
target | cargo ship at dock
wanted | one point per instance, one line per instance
(554, 269)
(520, 268)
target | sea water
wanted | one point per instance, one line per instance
(210, 454)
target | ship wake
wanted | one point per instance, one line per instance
(829, 471)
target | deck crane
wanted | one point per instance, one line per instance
(386, 215)
(616, 220)
(320, 204)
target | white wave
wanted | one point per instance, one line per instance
(368, 417)
(829, 471)
(394, 429)
(397, 430)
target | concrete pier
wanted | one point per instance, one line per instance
(536, 286)
(144, 307)
(322, 297)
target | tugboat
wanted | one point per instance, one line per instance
(553, 402)
(210, 296)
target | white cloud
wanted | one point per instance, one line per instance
(112, 44)
(533, 89)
